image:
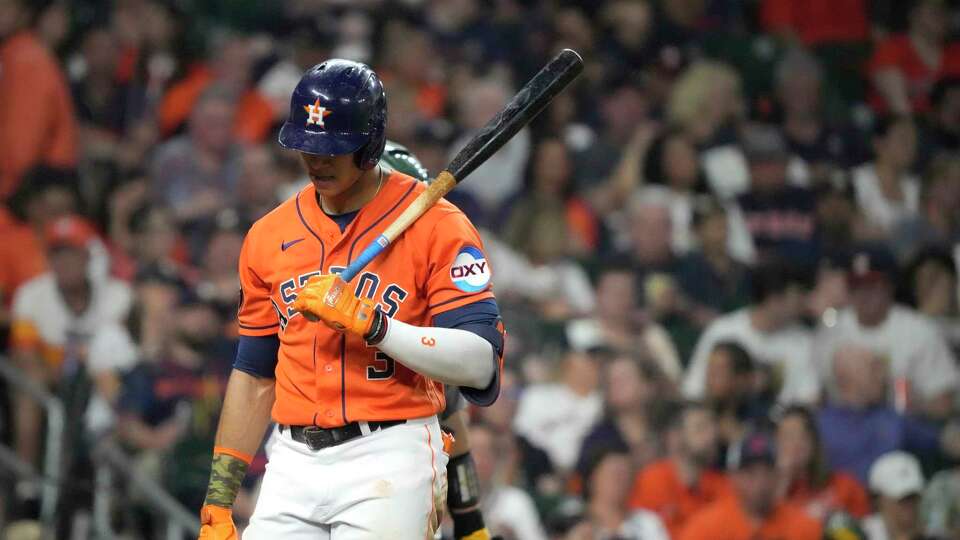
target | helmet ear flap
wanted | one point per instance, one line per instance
(369, 154)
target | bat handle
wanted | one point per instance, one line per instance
(367, 255)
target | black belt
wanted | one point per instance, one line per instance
(318, 438)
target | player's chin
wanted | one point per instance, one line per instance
(326, 185)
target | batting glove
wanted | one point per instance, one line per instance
(327, 298)
(216, 523)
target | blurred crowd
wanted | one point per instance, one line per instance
(726, 257)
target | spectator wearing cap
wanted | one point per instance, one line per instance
(55, 314)
(780, 218)
(675, 488)
(885, 190)
(923, 369)
(769, 330)
(37, 122)
(858, 425)
(754, 512)
(806, 478)
(905, 67)
(897, 482)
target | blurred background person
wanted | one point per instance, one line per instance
(768, 328)
(37, 121)
(886, 191)
(897, 482)
(606, 501)
(684, 482)
(753, 511)
(508, 510)
(806, 478)
(922, 369)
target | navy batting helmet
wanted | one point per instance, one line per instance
(339, 107)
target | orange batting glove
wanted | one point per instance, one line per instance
(327, 298)
(216, 523)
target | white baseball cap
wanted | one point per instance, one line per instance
(896, 475)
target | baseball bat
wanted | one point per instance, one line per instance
(525, 105)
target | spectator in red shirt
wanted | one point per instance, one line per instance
(754, 512)
(816, 22)
(679, 486)
(37, 124)
(905, 67)
(229, 69)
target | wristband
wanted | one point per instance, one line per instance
(378, 328)
(226, 474)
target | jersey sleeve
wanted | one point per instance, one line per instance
(458, 272)
(256, 315)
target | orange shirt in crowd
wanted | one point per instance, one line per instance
(21, 258)
(817, 21)
(37, 124)
(841, 493)
(658, 488)
(898, 52)
(727, 520)
(254, 118)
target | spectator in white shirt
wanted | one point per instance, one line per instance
(922, 367)
(54, 316)
(885, 190)
(769, 330)
(555, 417)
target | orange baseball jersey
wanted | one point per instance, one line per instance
(327, 378)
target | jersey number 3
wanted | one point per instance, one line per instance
(383, 367)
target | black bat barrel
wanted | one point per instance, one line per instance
(524, 106)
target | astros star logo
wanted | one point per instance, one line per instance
(316, 113)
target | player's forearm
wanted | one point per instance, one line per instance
(243, 421)
(246, 412)
(447, 355)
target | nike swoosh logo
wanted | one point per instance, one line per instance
(284, 246)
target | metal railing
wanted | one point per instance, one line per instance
(110, 460)
(53, 454)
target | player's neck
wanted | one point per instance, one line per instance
(353, 198)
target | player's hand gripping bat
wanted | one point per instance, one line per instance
(524, 106)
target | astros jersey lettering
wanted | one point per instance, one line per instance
(327, 378)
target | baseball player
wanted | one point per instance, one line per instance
(352, 374)
(463, 494)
